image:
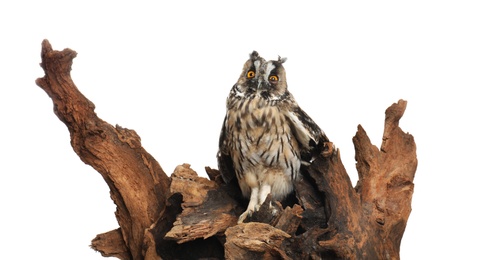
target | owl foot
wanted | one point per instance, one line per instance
(254, 213)
(328, 149)
(273, 210)
(244, 215)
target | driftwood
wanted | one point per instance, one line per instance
(184, 216)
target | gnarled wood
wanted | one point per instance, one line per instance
(137, 182)
(207, 210)
(111, 244)
(254, 240)
(189, 217)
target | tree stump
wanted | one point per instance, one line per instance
(184, 216)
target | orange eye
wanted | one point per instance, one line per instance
(273, 78)
(251, 74)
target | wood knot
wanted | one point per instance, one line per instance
(380, 221)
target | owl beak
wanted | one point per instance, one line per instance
(262, 84)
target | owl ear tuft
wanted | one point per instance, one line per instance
(281, 60)
(254, 55)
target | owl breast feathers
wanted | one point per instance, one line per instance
(266, 136)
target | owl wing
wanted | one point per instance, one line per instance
(309, 136)
(225, 162)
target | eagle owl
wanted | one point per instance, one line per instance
(266, 136)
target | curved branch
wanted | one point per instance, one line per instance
(137, 182)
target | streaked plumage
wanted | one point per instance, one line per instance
(266, 136)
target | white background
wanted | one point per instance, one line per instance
(164, 69)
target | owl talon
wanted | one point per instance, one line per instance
(273, 209)
(244, 215)
(328, 149)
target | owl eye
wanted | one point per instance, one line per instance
(273, 78)
(250, 74)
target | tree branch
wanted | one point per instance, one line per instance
(137, 182)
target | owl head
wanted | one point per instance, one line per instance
(264, 78)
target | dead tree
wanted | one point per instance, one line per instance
(184, 216)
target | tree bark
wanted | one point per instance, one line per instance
(185, 216)
(137, 182)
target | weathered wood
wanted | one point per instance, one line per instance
(207, 210)
(111, 244)
(189, 217)
(343, 236)
(254, 241)
(137, 182)
(386, 177)
(290, 219)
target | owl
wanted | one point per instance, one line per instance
(266, 137)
